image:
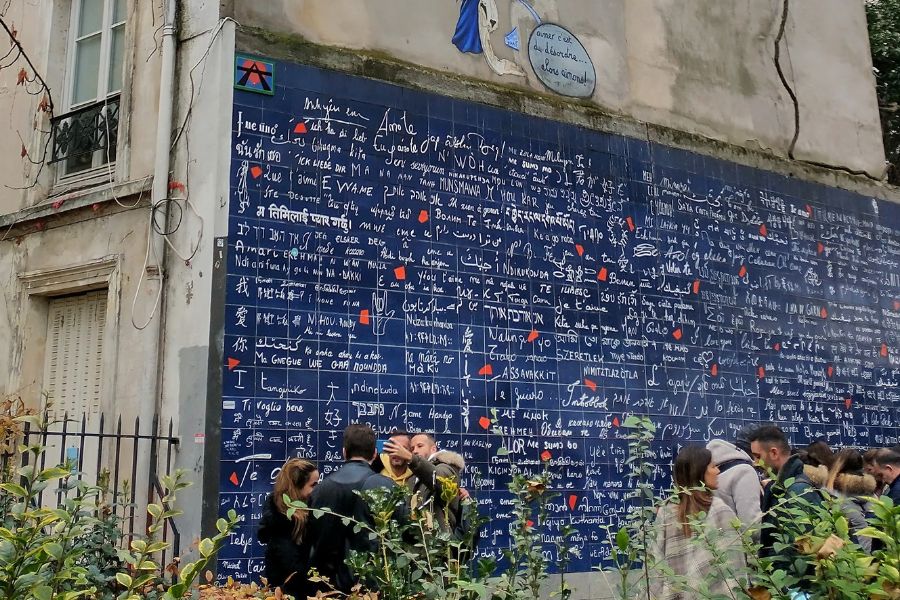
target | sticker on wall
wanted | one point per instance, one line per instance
(561, 62)
(254, 75)
(512, 39)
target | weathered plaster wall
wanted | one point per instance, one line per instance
(42, 29)
(121, 236)
(201, 161)
(63, 236)
(696, 66)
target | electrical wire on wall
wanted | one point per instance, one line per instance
(176, 205)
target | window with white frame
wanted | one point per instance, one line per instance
(85, 136)
(73, 362)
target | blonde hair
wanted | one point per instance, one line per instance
(293, 477)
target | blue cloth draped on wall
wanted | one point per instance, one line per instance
(467, 37)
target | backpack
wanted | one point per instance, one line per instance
(724, 466)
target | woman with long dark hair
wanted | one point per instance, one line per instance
(695, 536)
(287, 554)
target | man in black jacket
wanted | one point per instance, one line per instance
(331, 541)
(769, 446)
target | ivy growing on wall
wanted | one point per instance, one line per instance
(884, 37)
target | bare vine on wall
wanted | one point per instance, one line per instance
(17, 61)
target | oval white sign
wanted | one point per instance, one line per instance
(560, 61)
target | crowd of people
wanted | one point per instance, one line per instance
(297, 544)
(742, 481)
(750, 481)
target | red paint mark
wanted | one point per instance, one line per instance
(615, 422)
(824, 312)
(254, 67)
(579, 249)
(848, 402)
(820, 248)
(884, 350)
(760, 372)
(829, 371)
(234, 478)
(591, 385)
(809, 211)
(400, 273)
(484, 422)
(95, 206)
(232, 363)
(896, 304)
(763, 230)
(529, 523)
(696, 286)
(364, 316)
(677, 334)
(777, 346)
(742, 271)
(423, 216)
(255, 171)
(714, 370)
(486, 370)
(602, 274)
(573, 500)
(300, 127)
(176, 185)
(533, 335)
(630, 223)
(57, 204)
(545, 455)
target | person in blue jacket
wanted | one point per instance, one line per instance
(769, 446)
(887, 465)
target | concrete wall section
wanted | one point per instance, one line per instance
(701, 67)
(120, 237)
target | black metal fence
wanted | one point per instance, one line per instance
(131, 459)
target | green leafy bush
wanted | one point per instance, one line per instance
(75, 550)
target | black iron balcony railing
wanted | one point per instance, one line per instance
(80, 133)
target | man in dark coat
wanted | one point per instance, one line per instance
(887, 466)
(769, 446)
(330, 540)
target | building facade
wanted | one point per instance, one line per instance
(511, 223)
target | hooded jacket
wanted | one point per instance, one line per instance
(383, 466)
(850, 489)
(428, 489)
(739, 486)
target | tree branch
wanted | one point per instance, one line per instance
(47, 106)
(23, 54)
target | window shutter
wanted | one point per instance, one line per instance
(73, 365)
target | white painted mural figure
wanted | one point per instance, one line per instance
(477, 20)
